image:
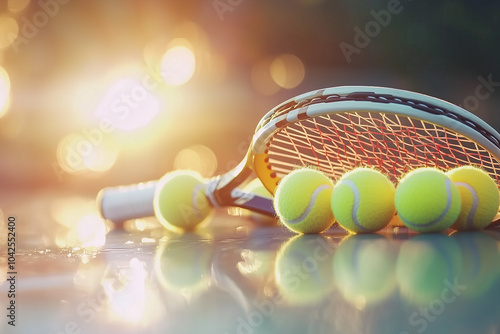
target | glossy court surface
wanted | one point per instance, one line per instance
(242, 274)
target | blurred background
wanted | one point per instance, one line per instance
(101, 93)
(97, 93)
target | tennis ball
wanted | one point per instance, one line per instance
(427, 200)
(364, 269)
(480, 197)
(303, 269)
(363, 200)
(427, 264)
(180, 202)
(302, 201)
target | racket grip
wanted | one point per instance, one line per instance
(119, 204)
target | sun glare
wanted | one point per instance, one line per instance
(91, 231)
(127, 104)
(4, 91)
(86, 152)
(177, 65)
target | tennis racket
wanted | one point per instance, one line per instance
(335, 130)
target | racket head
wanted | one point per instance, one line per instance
(338, 129)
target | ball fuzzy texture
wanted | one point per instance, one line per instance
(363, 200)
(180, 203)
(427, 200)
(480, 197)
(302, 201)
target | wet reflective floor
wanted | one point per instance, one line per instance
(75, 273)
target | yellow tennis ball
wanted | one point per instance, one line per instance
(427, 200)
(180, 202)
(302, 201)
(363, 200)
(480, 197)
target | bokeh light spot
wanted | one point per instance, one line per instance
(9, 30)
(287, 71)
(4, 91)
(80, 225)
(91, 231)
(101, 159)
(77, 153)
(178, 65)
(69, 155)
(16, 6)
(198, 158)
(127, 105)
(133, 300)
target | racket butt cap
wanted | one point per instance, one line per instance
(120, 204)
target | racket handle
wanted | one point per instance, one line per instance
(119, 204)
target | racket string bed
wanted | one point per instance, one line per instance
(337, 143)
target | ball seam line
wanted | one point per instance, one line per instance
(310, 205)
(355, 207)
(475, 202)
(438, 219)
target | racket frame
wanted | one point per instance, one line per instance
(224, 190)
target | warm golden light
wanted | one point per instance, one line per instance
(91, 231)
(198, 158)
(128, 301)
(9, 30)
(16, 6)
(86, 152)
(128, 104)
(131, 298)
(287, 71)
(101, 159)
(4, 91)
(141, 225)
(66, 210)
(178, 65)
(82, 227)
(70, 152)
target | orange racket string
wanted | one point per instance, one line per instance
(394, 144)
